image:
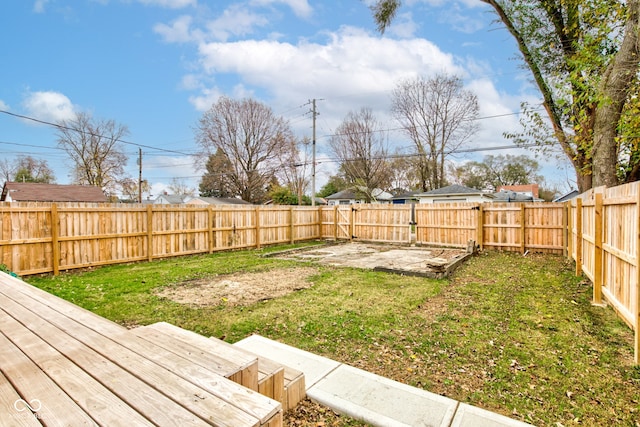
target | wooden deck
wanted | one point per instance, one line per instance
(61, 365)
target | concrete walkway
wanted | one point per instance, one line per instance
(371, 398)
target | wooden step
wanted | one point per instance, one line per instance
(231, 363)
(294, 383)
(271, 375)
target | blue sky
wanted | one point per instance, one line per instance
(157, 65)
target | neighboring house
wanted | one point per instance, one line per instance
(37, 192)
(350, 197)
(566, 197)
(216, 201)
(405, 198)
(455, 194)
(509, 196)
(532, 189)
(169, 199)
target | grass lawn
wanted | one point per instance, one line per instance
(512, 334)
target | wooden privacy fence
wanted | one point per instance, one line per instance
(41, 238)
(521, 227)
(604, 241)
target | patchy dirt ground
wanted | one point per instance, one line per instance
(248, 288)
(240, 288)
(402, 259)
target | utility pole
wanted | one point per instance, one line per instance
(139, 175)
(313, 162)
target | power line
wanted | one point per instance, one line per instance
(61, 126)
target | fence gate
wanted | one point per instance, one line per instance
(343, 222)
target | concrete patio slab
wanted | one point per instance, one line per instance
(470, 416)
(381, 401)
(371, 398)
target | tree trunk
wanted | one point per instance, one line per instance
(613, 92)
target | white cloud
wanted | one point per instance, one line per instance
(3, 105)
(351, 70)
(48, 106)
(39, 6)
(170, 4)
(301, 8)
(236, 20)
(403, 26)
(460, 21)
(179, 31)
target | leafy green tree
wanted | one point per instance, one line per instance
(335, 184)
(584, 57)
(494, 171)
(217, 180)
(284, 196)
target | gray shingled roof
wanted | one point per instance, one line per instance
(223, 200)
(36, 192)
(452, 189)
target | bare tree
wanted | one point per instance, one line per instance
(296, 162)
(30, 169)
(361, 148)
(584, 57)
(252, 137)
(180, 188)
(7, 170)
(95, 149)
(402, 174)
(27, 169)
(439, 116)
(131, 189)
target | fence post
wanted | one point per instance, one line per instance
(150, 232)
(523, 230)
(480, 226)
(55, 238)
(292, 229)
(335, 223)
(578, 237)
(352, 221)
(211, 225)
(636, 351)
(565, 229)
(257, 216)
(597, 269)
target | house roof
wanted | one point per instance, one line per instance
(570, 195)
(350, 194)
(171, 199)
(455, 189)
(523, 188)
(37, 192)
(406, 195)
(512, 196)
(220, 200)
(344, 194)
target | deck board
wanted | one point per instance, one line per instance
(38, 390)
(94, 398)
(9, 401)
(58, 352)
